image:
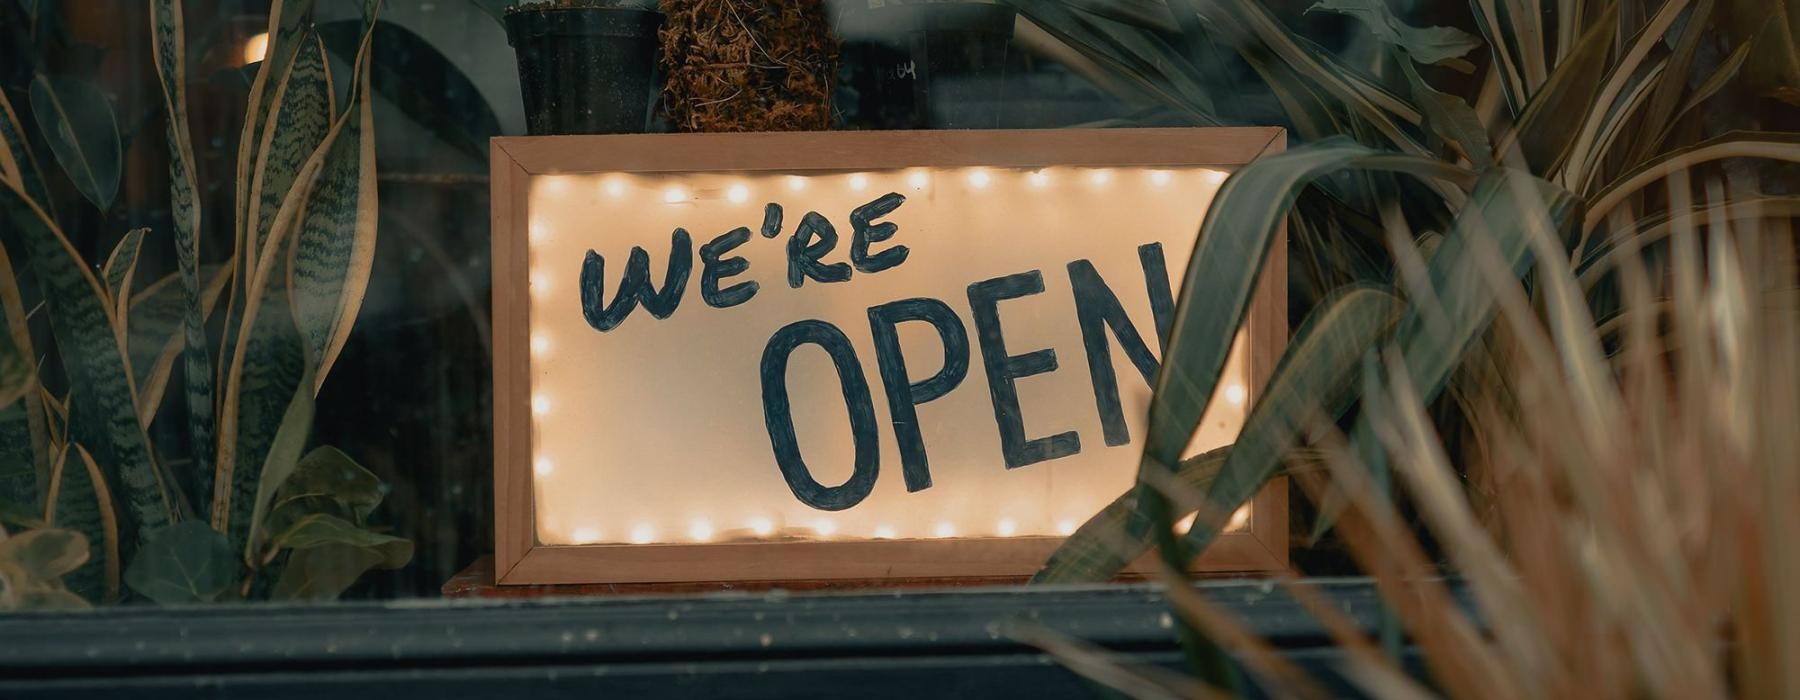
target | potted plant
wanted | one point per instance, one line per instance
(584, 65)
(937, 64)
(744, 65)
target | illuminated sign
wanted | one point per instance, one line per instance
(843, 355)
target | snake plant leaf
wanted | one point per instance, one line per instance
(1429, 45)
(328, 272)
(300, 114)
(78, 499)
(17, 165)
(17, 377)
(118, 271)
(288, 21)
(156, 333)
(330, 554)
(422, 82)
(77, 121)
(280, 462)
(170, 55)
(270, 366)
(187, 562)
(103, 412)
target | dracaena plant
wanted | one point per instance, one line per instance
(253, 512)
(1404, 200)
(1576, 114)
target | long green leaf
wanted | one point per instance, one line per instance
(119, 270)
(17, 165)
(283, 458)
(328, 272)
(1494, 230)
(24, 437)
(301, 110)
(1120, 533)
(1543, 136)
(78, 123)
(168, 34)
(1315, 380)
(103, 412)
(421, 82)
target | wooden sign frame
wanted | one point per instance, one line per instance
(521, 559)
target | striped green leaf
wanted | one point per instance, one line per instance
(103, 412)
(119, 269)
(166, 24)
(328, 272)
(77, 121)
(156, 333)
(301, 110)
(17, 165)
(79, 500)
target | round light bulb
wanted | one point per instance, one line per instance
(944, 529)
(1006, 527)
(763, 527)
(539, 345)
(1100, 177)
(615, 187)
(980, 179)
(674, 195)
(859, 182)
(700, 530)
(884, 532)
(1236, 394)
(544, 467)
(540, 406)
(738, 194)
(918, 180)
(642, 534)
(1065, 527)
(796, 183)
(1160, 177)
(1039, 179)
(825, 528)
(585, 535)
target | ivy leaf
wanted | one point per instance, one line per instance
(325, 481)
(1432, 45)
(45, 554)
(330, 553)
(187, 562)
(1451, 119)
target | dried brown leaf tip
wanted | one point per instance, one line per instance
(748, 65)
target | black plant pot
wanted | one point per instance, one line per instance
(935, 65)
(584, 70)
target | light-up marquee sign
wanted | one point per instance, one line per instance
(842, 355)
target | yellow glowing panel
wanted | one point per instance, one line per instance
(722, 357)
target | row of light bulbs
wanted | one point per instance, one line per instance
(702, 530)
(918, 179)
